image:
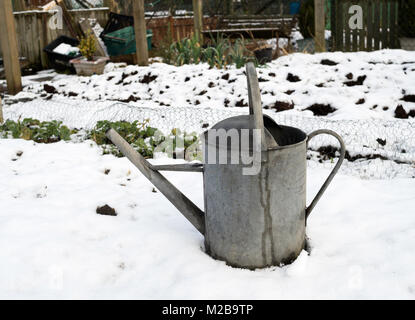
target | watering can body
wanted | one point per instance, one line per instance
(255, 221)
(250, 220)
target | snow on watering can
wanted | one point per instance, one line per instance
(254, 217)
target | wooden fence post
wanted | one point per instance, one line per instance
(320, 25)
(9, 46)
(198, 19)
(140, 32)
(1, 112)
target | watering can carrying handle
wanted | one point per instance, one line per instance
(333, 172)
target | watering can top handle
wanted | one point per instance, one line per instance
(333, 172)
(255, 104)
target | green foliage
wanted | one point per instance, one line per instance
(219, 53)
(41, 132)
(138, 135)
(87, 46)
(143, 138)
(306, 19)
(407, 18)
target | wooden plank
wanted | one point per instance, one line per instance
(369, 26)
(362, 32)
(385, 25)
(347, 31)
(140, 32)
(198, 19)
(320, 25)
(333, 25)
(394, 24)
(1, 111)
(376, 24)
(9, 46)
(339, 25)
(73, 27)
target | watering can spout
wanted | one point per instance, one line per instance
(178, 199)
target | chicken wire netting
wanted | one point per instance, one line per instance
(376, 148)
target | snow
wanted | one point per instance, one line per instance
(66, 49)
(54, 245)
(389, 77)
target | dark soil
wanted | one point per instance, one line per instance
(49, 89)
(328, 62)
(272, 74)
(106, 211)
(329, 152)
(289, 92)
(349, 76)
(131, 98)
(319, 109)
(358, 82)
(281, 106)
(148, 78)
(409, 98)
(382, 142)
(293, 78)
(186, 79)
(400, 113)
(361, 101)
(241, 103)
(225, 76)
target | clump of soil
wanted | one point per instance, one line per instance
(281, 106)
(106, 211)
(226, 102)
(409, 98)
(272, 74)
(293, 78)
(186, 79)
(241, 103)
(201, 93)
(400, 113)
(131, 98)
(358, 82)
(289, 92)
(211, 84)
(225, 76)
(328, 62)
(349, 76)
(49, 89)
(148, 78)
(72, 94)
(320, 109)
(382, 142)
(361, 101)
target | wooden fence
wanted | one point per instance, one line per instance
(380, 25)
(34, 32)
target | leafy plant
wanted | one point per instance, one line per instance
(31, 129)
(87, 46)
(218, 53)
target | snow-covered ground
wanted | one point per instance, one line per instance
(54, 245)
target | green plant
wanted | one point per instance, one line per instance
(218, 53)
(31, 129)
(143, 138)
(407, 18)
(87, 46)
(306, 19)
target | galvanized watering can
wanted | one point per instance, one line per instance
(250, 220)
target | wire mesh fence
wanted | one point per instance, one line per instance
(376, 149)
